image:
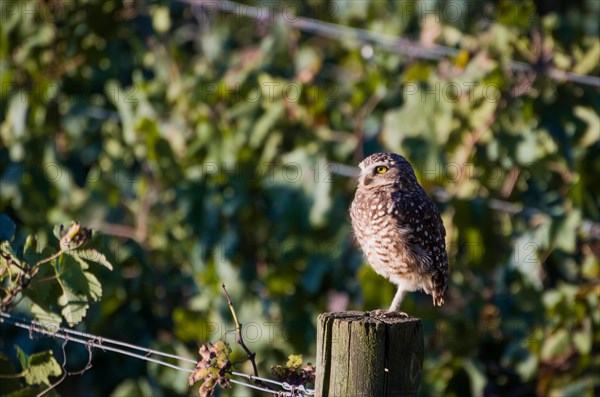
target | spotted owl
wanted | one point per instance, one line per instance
(399, 228)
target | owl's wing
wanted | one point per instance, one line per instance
(418, 215)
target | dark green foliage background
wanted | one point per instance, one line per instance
(198, 143)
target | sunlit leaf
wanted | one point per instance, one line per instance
(40, 366)
(555, 344)
(92, 255)
(78, 286)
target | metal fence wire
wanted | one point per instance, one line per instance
(91, 341)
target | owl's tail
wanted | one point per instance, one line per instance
(440, 283)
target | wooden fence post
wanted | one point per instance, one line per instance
(359, 355)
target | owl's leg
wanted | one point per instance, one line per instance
(400, 294)
(394, 310)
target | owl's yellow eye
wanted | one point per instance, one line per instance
(380, 169)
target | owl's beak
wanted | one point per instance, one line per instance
(364, 179)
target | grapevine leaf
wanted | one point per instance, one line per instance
(78, 286)
(44, 314)
(212, 369)
(294, 372)
(294, 361)
(43, 287)
(22, 356)
(7, 258)
(92, 255)
(40, 366)
(30, 251)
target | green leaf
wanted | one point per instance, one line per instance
(528, 367)
(294, 361)
(91, 255)
(590, 61)
(15, 122)
(78, 288)
(46, 316)
(43, 289)
(58, 231)
(582, 339)
(417, 72)
(525, 258)
(8, 259)
(555, 344)
(591, 135)
(119, 98)
(526, 149)
(551, 298)
(421, 125)
(22, 356)
(40, 366)
(583, 386)
(265, 123)
(30, 251)
(161, 19)
(565, 231)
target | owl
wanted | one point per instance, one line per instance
(399, 228)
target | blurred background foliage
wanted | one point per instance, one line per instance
(210, 147)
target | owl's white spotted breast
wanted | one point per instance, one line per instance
(382, 238)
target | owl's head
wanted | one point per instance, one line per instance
(381, 169)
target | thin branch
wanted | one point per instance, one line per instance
(510, 182)
(394, 44)
(23, 282)
(7, 300)
(141, 227)
(239, 339)
(36, 268)
(48, 278)
(118, 230)
(46, 260)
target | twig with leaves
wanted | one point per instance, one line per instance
(72, 238)
(295, 372)
(215, 367)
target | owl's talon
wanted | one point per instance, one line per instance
(380, 313)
